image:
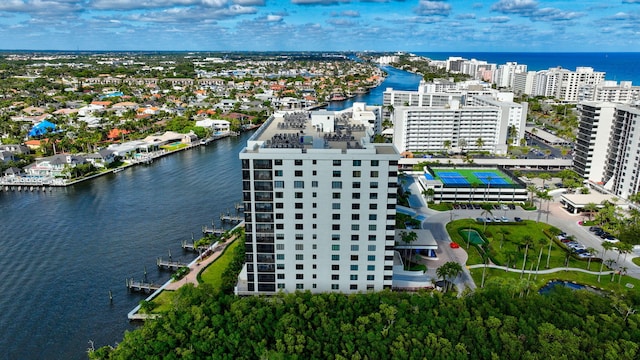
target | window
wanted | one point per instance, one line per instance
(280, 266)
(298, 205)
(298, 184)
(279, 246)
(299, 247)
(337, 162)
(375, 162)
(335, 216)
(371, 268)
(279, 205)
(314, 184)
(355, 206)
(357, 174)
(278, 172)
(280, 286)
(336, 173)
(371, 277)
(278, 184)
(335, 206)
(357, 162)
(374, 174)
(355, 195)
(353, 287)
(314, 173)
(277, 162)
(373, 217)
(298, 195)
(372, 238)
(355, 185)
(299, 236)
(280, 226)
(373, 196)
(335, 195)
(299, 276)
(299, 267)
(301, 227)
(335, 247)
(355, 257)
(279, 256)
(354, 267)
(299, 286)
(335, 277)
(280, 216)
(371, 248)
(355, 216)
(335, 227)
(335, 286)
(279, 195)
(335, 257)
(297, 162)
(372, 227)
(355, 227)
(373, 184)
(353, 248)
(299, 216)
(335, 237)
(301, 257)
(336, 184)
(369, 257)
(280, 276)
(335, 267)
(298, 173)
(353, 277)
(373, 206)
(314, 194)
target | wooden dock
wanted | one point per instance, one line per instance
(191, 246)
(169, 264)
(141, 286)
(213, 230)
(239, 207)
(231, 218)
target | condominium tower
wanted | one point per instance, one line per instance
(320, 203)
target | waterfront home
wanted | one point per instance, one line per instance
(215, 125)
(102, 158)
(13, 172)
(6, 156)
(128, 149)
(53, 166)
(15, 148)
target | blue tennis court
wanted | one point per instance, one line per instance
(490, 178)
(454, 180)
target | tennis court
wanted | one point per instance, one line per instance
(472, 176)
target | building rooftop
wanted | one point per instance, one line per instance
(316, 130)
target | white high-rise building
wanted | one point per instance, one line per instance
(503, 77)
(320, 203)
(567, 85)
(592, 140)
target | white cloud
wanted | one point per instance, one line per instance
(427, 7)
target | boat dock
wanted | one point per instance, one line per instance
(231, 218)
(169, 264)
(141, 286)
(192, 247)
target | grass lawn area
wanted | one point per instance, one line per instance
(212, 274)
(441, 206)
(162, 302)
(505, 244)
(636, 260)
(543, 279)
(172, 147)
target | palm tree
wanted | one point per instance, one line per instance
(483, 214)
(532, 191)
(624, 248)
(527, 240)
(544, 177)
(590, 208)
(503, 232)
(479, 143)
(606, 246)
(408, 238)
(541, 242)
(554, 231)
(449, 270)
(544, 195)
(610, 263)
(510, 257)
(623, 271)
(446, 145)
(462, 143)
(591, 252)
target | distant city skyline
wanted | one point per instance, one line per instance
(321, 25)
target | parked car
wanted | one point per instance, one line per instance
(505, 207)
(517, 219)
(512, 207)
(477, 206)
(504, 219)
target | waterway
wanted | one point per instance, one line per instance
(62, 251)
(396, 79)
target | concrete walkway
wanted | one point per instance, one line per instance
(196, 266)
(545, 271)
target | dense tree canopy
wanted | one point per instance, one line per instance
(488, 324)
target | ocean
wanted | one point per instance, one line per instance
(618, 66)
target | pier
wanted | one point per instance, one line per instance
(239, 207)
(231, 218)
(141, 286)
(192, 247)
(169, 264)
(212, 230)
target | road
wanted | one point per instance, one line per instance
(557, 216)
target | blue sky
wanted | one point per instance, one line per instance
(331, 25)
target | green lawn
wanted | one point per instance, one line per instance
(212, 274)
(162, 302)
(636, 260)
(542, 279)
(505, 244)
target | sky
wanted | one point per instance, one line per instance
(322, 25)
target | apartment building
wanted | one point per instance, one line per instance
(607, 148)
(320, 205)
